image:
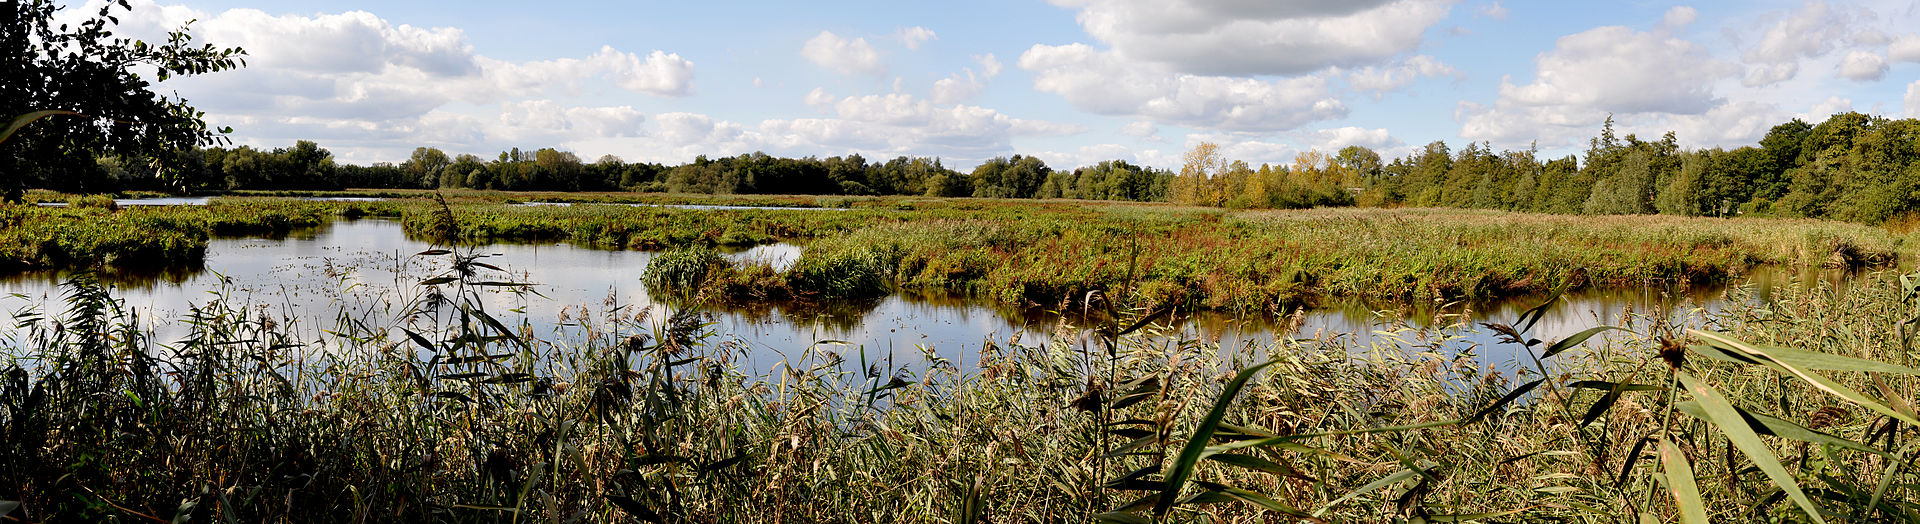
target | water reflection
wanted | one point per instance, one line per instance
(367, 268)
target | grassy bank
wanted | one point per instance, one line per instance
(461, 416)
(93, 233)
(1266, 262)
(1053, 254)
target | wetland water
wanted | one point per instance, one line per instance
(366, 267)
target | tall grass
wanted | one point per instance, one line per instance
(1796, 409)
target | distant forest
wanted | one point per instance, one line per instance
(1852, 167)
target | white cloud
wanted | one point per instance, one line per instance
(1826, 108)
(964, 85)
(989, 65)
(848, 56)
(1913, 100)
(1495, 11)
(689, 129)
(913, 37)
(957, 88)
(1769, 74)
(902, 124)
(1788, 38)
(1106, 83)
(1089, 155)
(1382, 80)
(661, 73)
(1139, 128)
(1735, 123)
(1602, 71)
(1863, 66)
(1332, 140)
(1225, 37)
(819, 97)
(1678, 17)
(547, 120)
(1621, 70)
(1904, 49)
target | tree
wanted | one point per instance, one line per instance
(1195, 184)
(425, 165)
(87, 74)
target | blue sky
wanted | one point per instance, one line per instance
(1072, 81)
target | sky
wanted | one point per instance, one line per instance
(1074, 82)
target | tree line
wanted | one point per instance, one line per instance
(1852, 166)
(307, 166)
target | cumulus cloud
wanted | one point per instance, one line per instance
(1104, 82)
(1913, 100)
(546, 119)
(680, 128)
(1495, 11)
(1824, 109)
(1787, 38)
(1229, 37)
(847, 56)
(1863, 66)
(1139, 128)
(1089, 155)
(1383, 80)
(989, 65)
(1622, 70)
(965, 84)
(901, 124)
(1905, 49)
(1732, 123)
(819, 97)
(957, 87)
(1331, 140)
(1594, 73)
(913, 37)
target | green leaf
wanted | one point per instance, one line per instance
(418, 340)
(1610, 386)
(1121, 517)
(1795, 362)
(1504, 400)
(7, 506)
(1815, 360)
(1686, 492)
(635, 508)
(1575, 340)
(1723, 416)
(435, 281)
(1470, 517)
(1395, 478)
(432, 253)
(1257, 499)
(1253, 463)
(1765, 424)
(1189, 457)
(22, 121)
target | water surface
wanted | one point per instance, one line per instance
(369, 269)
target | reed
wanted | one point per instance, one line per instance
(1790, 408)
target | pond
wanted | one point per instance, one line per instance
(367, 267)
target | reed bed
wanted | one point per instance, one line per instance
(449, 412)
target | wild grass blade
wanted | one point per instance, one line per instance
(1183, 465)
(1723, 416)
(1680, 483)
(1816, 380)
